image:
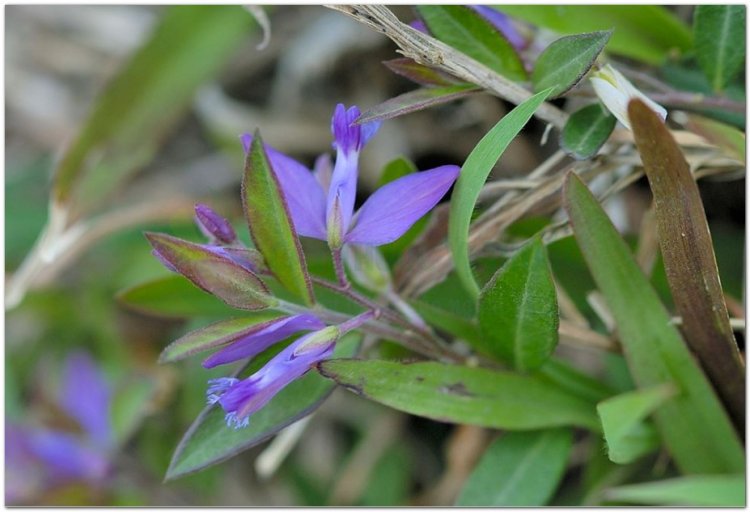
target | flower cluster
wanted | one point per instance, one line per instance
(320, 205)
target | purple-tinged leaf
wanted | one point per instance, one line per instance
(414, 101)
(305, 198)
(395, 207)
(689, 259)
(419, 73)
(214, 273)
(271, 224)
(250, 344)
(216, 335)
(85, 396)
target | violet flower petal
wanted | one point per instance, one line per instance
(85, 396)
(394, 208)
(304, 196)
(502, 23)
(213, 225)
(257, 342)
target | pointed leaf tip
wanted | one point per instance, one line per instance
(271, 225)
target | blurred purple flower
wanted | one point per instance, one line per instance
(329, 214)
(241, 398)
(41, 457)
(502, 23)
(250, 344)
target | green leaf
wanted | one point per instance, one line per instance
(143, 102)
(172, 297)
(694, 427)
(623, 421)
(271, 225)
(694, 491)
(564, 62)
(689, 259)
(644, 32)
(456, 325)
(460, 394)
(227, 280)
(468, 32)
(395, 169)
(586, 131)
(719, 33)
(214, 336)
(729, 138)
(521, 469)
(130, 405)
(419, 73)
(474, 173)
(518, 313)
(563, 375)
(209, 440)
(414, 101)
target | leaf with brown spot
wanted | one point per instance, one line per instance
(689, 258)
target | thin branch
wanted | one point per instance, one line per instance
(431, 52)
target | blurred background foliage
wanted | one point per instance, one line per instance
(168, 139)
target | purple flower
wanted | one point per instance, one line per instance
(40, 457)
(252, 343)
(241, 398)
(327, 213)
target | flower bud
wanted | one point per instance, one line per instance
(213, 225)
(367, 267)
(616, 91)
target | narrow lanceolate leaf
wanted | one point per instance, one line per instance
(518, 310)
(148, 96)
(695, 428)
(474, 173)
(467, 31)
(460, 394)
(564, 62)
(586, 131)
(727, 137)
(270, 224)
(719, 33)
(521, 469)
(172, 297)
(691, 491)
(209, 440)
(623, 417)
(689, 260)
(414, 101)
(419, 73)
(215, 335)
(647, 33)
(216, 274)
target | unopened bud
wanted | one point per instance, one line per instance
(616, 91)
(367, 267)
(213, 225)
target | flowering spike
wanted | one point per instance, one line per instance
(213, 225)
